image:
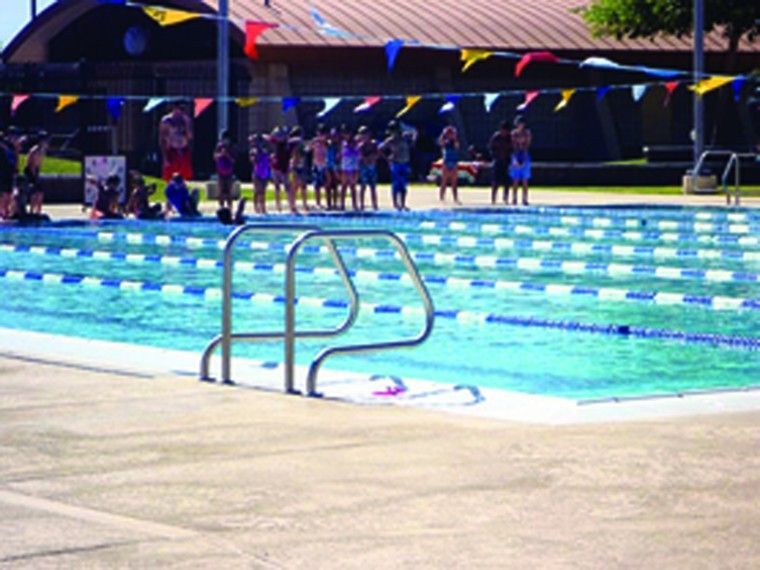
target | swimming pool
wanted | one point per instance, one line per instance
(576, 303)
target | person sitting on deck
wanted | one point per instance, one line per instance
(138, 204)
(180, 198)
(21, 198)
(106, 205)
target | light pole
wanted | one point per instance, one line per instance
(699, 63)
(223, 66)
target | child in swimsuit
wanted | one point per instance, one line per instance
(519, 168)
(298, 173)
(224, 161)
(449, 143)
(350, 169)
(369, 153)
(318, 149)
(280, 165)
(262, 171)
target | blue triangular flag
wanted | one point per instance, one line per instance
(114, 106)
(489, 100)
(330, 104)
(152, 103)
(638, 91)
(289, 103)
(391, 52)
(601, 92)
(738, 85)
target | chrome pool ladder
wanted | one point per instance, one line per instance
(289, 334)
(734, 160)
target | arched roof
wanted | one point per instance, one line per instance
(519, 25)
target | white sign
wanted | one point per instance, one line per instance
(99, 168)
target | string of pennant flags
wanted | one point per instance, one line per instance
(469, 57)
(363, 103)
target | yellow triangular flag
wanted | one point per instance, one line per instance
(411, 101)
(711, 83)
(471, 56)
(65, 101)
(166, 17)
(567, 94)
(246, 101)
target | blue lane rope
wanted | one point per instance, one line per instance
(462, 317)
(523, 229)
(498, 243)
(530, 264)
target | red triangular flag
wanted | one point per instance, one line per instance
(252, 32)
(540, 56)
(530, 96)
(17, 101)
(670, 86)
(368, 103)
(201, 104)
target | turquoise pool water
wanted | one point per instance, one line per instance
(542, 301)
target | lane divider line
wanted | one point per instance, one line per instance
(568, 267)
(710, 302)
(461, 317)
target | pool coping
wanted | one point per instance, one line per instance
(143, 363)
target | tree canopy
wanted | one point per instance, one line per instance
(650, 18)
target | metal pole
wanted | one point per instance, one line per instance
(699, 65)
(223, 66)
(34, 9)
(227, 310)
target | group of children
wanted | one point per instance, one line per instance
(339, 163)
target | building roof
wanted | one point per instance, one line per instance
(520, 25)
(509, 25)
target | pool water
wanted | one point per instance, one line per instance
(579, 303)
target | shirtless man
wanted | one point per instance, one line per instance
(174, 137)
(519, 168)
(32, 172)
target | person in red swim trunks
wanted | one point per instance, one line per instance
(175, 136)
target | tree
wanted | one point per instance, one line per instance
(733, 19)
(650, 18)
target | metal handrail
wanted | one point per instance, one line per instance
(226, 337)
(733, 160)
(290, 282)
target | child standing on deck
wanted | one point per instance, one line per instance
(333, 169)
(224, 162)
(519, 168)
(449, 143)
(280, 167)
(398, 149)
(298, 173)
(262, 171)
(350, 168)
(369, 153)
(318, 149)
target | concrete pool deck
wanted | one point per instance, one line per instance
(108, 469)
(117, 468)
(426, 197)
